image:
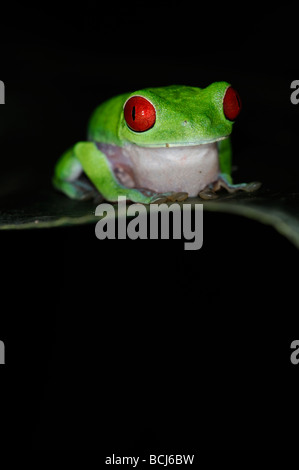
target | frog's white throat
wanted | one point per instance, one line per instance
(176, 168)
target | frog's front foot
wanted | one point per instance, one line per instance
(159, 198)
(223, 182)
(232, 188)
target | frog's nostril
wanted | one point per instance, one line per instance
(185, 122)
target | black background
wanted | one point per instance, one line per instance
(127, 345)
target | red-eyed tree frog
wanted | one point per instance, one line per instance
(155, 145)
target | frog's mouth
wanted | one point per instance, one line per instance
(180, 144)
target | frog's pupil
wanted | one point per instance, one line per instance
(133, 113)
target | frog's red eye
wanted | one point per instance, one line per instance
(231, 104)
(140, 114)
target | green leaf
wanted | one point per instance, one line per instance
(33, 206)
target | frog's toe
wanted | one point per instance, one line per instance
(253, 186)
(159, 199)
(207, 194)
(177, 197)
(171, 196)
